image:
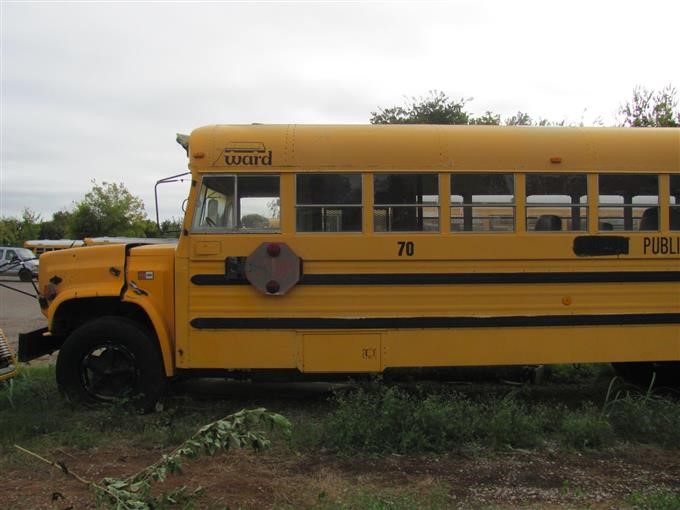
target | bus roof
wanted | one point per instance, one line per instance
(62, 243)
(281, 148)
(89, 241)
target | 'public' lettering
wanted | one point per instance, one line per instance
(661, 245)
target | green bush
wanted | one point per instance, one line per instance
(388, 419)
(508, 422)
(587, 428)
(576, 373)
(645, 419)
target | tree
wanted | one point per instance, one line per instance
(171, 227)
(255, 221)
(488, 119)
(649, 108)
(274, 207)
(14, 232)
(521, 119)
(29, 226)
(436, 108)
(9, 231)
(58, 227)
(109, 209)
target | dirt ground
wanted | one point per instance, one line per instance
(240, 479)
(279, 479)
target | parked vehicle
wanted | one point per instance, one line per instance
(321, 252)
(20, 262)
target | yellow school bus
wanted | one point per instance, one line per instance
(335, 250)
(40, 246)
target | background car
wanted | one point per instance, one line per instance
(19, 262)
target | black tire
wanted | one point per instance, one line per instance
(666, 373)
(111, 359)
(25, 275)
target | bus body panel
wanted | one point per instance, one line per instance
(503, 298)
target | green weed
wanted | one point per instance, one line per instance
(388, 419)
(586, 428)
(656, 499)
(434, 499)
(576, 373)
(643, 417)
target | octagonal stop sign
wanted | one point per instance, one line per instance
(273, 268)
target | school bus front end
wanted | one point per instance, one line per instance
(110, 314)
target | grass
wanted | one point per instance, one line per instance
(434, 499)
(656, 499)
(573, 410)
(411, 422)
(33, 414)
(643, 417)
(372, 418)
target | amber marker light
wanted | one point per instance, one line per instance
(198, 155)
(556, 159)
(50, 291)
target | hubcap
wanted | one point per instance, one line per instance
(109, 371)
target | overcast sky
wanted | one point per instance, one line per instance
(98, 90)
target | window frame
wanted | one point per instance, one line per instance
(390, 206)
(237, 209)
(297, 206)
(512, 205)
(528, 206)
(627, 209)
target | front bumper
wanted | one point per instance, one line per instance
(37, 343)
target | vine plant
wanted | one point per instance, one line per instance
(244, 429)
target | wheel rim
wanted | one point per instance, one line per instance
(109, 371)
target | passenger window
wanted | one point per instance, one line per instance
(556, 202)
(628, 202)
(674, 209)
(328, 203)
(230, 203)
(482, 202)
(406, 202)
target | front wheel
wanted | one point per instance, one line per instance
(111, 359)
(25, 275)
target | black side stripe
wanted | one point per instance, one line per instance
(433, 322)
(460, 278)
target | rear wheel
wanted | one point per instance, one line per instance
(111, 359)
(665, 373)
(25, 275)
